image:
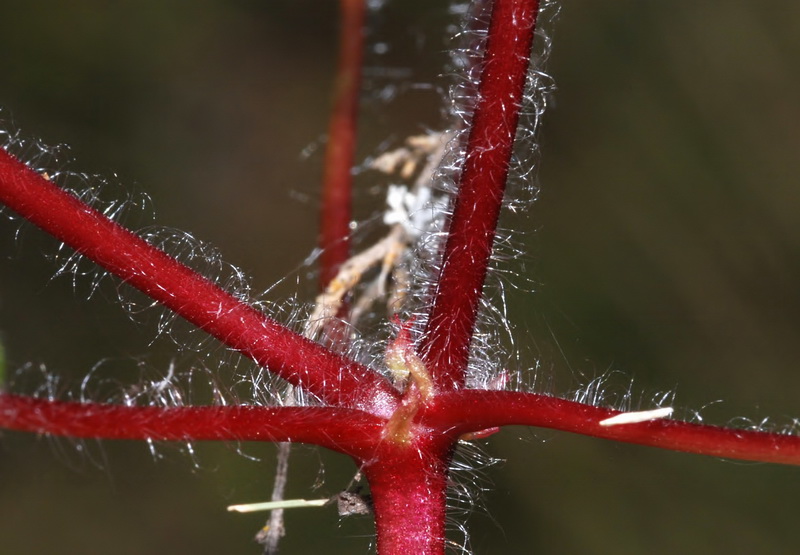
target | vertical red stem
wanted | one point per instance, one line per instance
(408, 485)
(337, 180)
(472, 227)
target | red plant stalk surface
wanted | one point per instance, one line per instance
(339, 153)
(403, 441)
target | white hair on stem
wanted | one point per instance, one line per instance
(637, 417)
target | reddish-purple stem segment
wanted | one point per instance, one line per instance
(446, 341)
(408, 486)
(472, 410)
(340, 150)
(336, 380)
(346, 430)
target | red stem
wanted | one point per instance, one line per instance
(478, 409)
(333, 378)
(348, 431)
(446, 341)
(340, 151)
(408, 485)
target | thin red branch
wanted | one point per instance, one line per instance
(446, 341)
(334, 379)
(472, 410)
(340, 150)
(346, 430)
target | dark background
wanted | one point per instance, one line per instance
(663, 249)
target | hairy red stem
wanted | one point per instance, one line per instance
(408, 485)
(340, 150)
(446, 341)
(472, 410)
(346, 430)
(331, 377)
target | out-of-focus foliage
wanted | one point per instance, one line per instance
(2, 365)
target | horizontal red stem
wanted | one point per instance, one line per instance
(333, 378)
(447, 338)
(472, 410)
(346, 430)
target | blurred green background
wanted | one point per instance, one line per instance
(664, 248)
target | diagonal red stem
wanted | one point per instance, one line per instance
(334, 379)
(339, 153)
(472, 410)
(446, 341)
(346, 430)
